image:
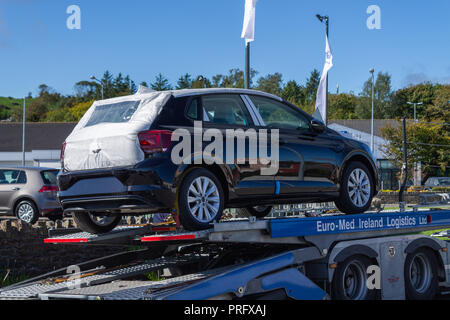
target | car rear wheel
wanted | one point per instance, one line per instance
(200, 200)
(27, 212)
(258, 211)
(96, 224)
(357, 189)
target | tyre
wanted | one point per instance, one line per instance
(350, 280)
(421, 275)
(96, 224)
(200, 200)
(258, 212)
(27, 212)
(357, 189)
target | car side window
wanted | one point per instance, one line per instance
(12, 177)
(226, 109)
(192, 111)
(278, 115)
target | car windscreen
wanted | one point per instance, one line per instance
(49, 176)
(113, 113)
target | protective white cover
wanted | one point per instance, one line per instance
(110, 145)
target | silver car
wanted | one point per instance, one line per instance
(29, 193)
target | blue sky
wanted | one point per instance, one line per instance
(145, 37)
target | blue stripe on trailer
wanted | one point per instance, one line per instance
(358, 223)
(278, 188)
(231, 280)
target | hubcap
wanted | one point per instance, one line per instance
(203, 199)
(420, 273)
(353, 281)
(26, 213)
(102, 220)
(359, 188)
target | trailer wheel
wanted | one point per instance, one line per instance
(350, 280)
(200, 200)
(96, 224)
(421, 275)
(258, 212)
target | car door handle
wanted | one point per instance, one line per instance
(16, 189)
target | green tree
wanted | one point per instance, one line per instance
(294, 93)
(427, 143)
(382, 103)
(342, 107)
(184, 82)
(312, 85)
(271, 83)
(161, 83)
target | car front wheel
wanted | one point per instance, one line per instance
(96, 224)
(200, 200)
(357, 189)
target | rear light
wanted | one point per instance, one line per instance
(48, 189)
(155, 141)
(63, 150)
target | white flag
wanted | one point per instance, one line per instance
(248, 31)
(321, 101)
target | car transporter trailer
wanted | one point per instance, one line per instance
(367, 256)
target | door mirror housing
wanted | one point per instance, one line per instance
(317, 126)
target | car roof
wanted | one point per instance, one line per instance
(27, 168)
(193, 92)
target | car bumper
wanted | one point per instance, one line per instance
(123, 191)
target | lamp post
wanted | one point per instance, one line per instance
(23, 132)
(372, 137)
(101, 84)
(415, 108)
(325, 19)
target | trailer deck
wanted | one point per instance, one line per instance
(281, 257)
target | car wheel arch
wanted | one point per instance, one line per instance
(359, 157)
(25, 198)
(215, 169)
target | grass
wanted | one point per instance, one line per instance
(7, 279)
(12, 103)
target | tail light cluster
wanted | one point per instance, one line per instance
(63, 150)
(48, 189)
(155, 141)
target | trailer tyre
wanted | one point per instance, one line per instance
(350, 280)
(200, 200)
(96, 224)
(258, 212)
(357, 189)
(421, 275)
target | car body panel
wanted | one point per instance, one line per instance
(11, 194)
(311, 166)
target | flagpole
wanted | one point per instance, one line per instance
(326, 108)
(247, 65)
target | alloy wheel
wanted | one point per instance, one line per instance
(203, 199)
(26, 212)
(359, 188)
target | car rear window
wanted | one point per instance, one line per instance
(49, 176)
(113, 113)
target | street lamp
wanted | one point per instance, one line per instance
(415, 108)
(327, 23)
(372, 137)
(101, 84)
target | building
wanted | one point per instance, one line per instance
(42, 144)
(361, 130)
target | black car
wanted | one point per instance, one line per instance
(119, 159)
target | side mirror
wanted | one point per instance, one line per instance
(317, 126)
